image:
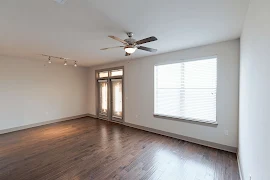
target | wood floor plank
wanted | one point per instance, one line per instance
(88, 148)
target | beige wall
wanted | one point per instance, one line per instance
(254, 121)
(139, 93)
(32, 93)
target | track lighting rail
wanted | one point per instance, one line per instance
(62, 58)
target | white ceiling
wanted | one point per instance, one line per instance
(79, 28)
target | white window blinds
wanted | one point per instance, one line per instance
(187, 90)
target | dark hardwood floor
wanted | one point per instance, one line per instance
(87, 148)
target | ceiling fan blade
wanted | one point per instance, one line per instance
(118, 39)
(147, 49)
(146, 40)
(111, 47)
(127, 54)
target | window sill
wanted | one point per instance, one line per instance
(185, 119)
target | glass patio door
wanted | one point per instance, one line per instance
(117, 98)
(103, 98)
(110, 94)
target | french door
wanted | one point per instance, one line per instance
(116, 99)
(110, 96)
(103, 98)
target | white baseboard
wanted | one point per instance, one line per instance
(239, 166)
(177, 136)
(92, 115)
(4, 131)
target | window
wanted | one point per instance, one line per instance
(118, 72)
(103, 74)
(187, 90)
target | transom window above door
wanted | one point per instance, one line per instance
(187, 90)
(111, 73)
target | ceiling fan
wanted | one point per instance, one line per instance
(130, 45)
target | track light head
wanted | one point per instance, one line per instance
(49, 60)
(65, 64)
(75, 64)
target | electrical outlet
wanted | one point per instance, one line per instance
(226, 132)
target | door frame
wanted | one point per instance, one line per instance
(109, 93)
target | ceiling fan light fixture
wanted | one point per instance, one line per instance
(130, 49)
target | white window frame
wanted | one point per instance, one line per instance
(183, 118)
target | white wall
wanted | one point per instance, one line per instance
(139, 92)
(254, 133)
(32, 93)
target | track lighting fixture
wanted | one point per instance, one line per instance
(61, 58)
(49, 60)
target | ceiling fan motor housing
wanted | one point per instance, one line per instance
(130, 41)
